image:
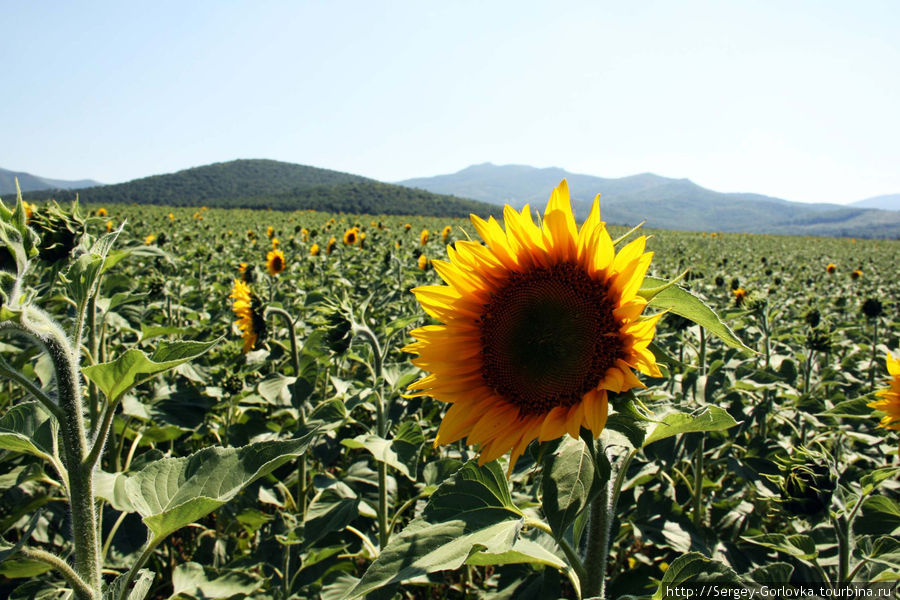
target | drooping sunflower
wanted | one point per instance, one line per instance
(314, 250)
(537, 328)
(351, 236)
(740, 294)
(247, 307)
(445, 233)
(423, 237)
(890, 397)
(423, 262)
(275, 261)
(109, 226)
(330, 247)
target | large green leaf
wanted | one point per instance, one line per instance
(801, 547)
(568, 483)
(401, 453)
(139, 589)
(711, 418)
(523, 551)
(332, 509)
(693, 567)
(174, 492)
(192, 580)
(27, 428)
(134, 367)
(471, 512)
(681, 302)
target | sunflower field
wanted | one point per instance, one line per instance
(220, 404)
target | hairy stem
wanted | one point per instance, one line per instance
(82, 590)
(597, 540)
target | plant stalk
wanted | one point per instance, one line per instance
(597, 551)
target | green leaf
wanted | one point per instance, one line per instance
(801, 547)
(139, 590)
(711, 418)
(880, 516)
(885, 551)
(471, 512)
(568, 484)
(522, 552)
(332, 509)
(401, 453)
(693, 567)
(173, 492)
(193, 580)
(777, 571)
(134, 367)
(856, 408)
(681, 302)
(28, 429)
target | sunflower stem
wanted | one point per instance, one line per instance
(597, 551)
(874, 352)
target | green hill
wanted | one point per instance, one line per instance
(255, 183)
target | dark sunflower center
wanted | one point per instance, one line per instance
(276, 263)
(547, 337)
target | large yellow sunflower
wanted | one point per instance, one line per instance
(536, 328)
(350, 236)
(275, 261)
(890, 397)
(247, 307)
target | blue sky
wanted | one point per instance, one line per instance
(797, 99)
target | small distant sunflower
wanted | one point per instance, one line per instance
(740, 294)
(362, 239)
(270, 231)
(275, 242)
(423, 237)
(330, 247)
(29, 210)
(351, 236)
(407, 227)
(423, 262)
(304, 234)
(109, 226)
(537, 327)
(314, 250)
(275, 261)
(890, 397)
(101, 212)
(248, 309)
(149, 239)
(856, 274)
(445, 233)
(171, 216)
(830, 268)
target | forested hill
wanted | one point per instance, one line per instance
(256, 183)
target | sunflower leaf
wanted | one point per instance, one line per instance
(693, 567)
(27, 428)
(681, 302)
(134, 367)
(173, 492)
(470, 513)
(569, 483)
(711, 418)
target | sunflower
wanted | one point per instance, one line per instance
(109, 226)
(423, 237)
(304, 234)
(171, 217)
(407, 226)
(362, 239)
(330, 247)
(149, 239)
(890, 397)
(270, 231)
(275, 242)
(537, 328)
(29, 210)
(275, 261)
(445, 233)
(740, 294)
(101, 212)
(314, 250)
(248, 309)
(423, 262)
(830, 268)
(351, 236)
(856, 274)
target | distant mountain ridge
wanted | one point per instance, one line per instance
(886, 202)
(261, 183)
(29, 183)
(664, 202)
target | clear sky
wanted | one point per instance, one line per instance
(796, 99)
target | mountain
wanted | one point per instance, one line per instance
(29, 182)
(664, 202)
(257, 183)
(886, 202)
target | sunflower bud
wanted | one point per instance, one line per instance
(340, 328)
(60, 232)
(872, 308)
(813, 318)
(806, 483)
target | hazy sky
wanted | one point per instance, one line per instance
(794, 99)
